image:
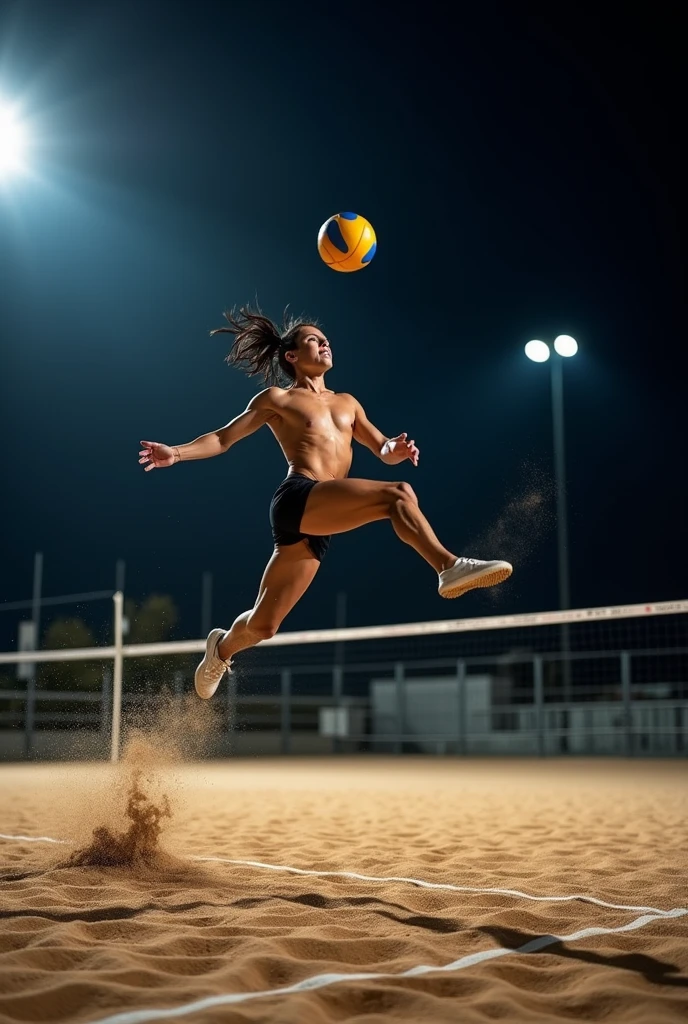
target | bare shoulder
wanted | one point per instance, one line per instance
(352, 404)
(349, 399)
(269, 400)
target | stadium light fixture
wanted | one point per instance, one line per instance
(12, 142)
(565, 345)
(538, 351)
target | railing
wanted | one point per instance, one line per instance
(531, 721)
(630, 701)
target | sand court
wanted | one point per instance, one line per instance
(349, 889)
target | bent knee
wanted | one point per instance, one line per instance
(401, 491)
(262, 628)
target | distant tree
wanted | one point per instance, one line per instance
(153, 621)
(9, 682)
(68, 675)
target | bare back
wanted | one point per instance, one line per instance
(314, 430)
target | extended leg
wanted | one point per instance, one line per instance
(287, 576)
(336, 506)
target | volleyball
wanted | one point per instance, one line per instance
(347, 242)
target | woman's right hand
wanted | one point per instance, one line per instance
(154, 455)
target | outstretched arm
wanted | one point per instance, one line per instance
(391, 450)
(154, 455)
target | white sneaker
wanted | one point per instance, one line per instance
(467, 573)
(210, 671)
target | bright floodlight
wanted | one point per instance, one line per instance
(565, 345)
(538, 351)
(11, 142)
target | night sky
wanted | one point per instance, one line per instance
(523, 177)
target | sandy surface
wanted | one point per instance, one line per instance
(89, 942)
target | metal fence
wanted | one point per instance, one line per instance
(497, 685)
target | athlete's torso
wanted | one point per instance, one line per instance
(315, 432)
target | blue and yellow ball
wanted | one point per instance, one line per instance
(347, 242)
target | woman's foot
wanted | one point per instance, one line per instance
(468, 573)
(212, 668)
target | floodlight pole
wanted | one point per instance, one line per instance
(557, 381)
(557, 378)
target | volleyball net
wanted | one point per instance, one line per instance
(606, 680)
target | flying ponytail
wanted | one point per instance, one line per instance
(259, 346)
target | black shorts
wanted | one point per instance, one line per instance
(286, 511)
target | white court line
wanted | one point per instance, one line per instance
(446, 885)
(323, 980)
(407, 881)
(34, 839)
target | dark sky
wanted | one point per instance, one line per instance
(523, 177)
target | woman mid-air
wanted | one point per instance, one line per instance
(315, 428)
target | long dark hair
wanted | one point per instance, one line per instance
(260, 345)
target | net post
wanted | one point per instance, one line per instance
(539, 701)
(399, 678)
(105, 705)
(118, 600)
(285, 681)
(625, 658)
(29, 714)
(337, 694)
(461, 706)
